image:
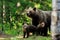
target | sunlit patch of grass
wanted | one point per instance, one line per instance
(38, 38)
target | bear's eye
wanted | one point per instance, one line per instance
(30, 11)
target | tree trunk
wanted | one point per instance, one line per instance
(3, 13)
(55, 20)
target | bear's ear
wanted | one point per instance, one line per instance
(34, 9)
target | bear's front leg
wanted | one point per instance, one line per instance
(27, 34)
(24, 34)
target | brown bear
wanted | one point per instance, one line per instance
(27, 29)
(39, 15)
(40, 28)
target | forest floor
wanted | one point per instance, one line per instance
(20, 37)
(8, 37)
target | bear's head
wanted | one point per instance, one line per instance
(31, 12)
(34, 13)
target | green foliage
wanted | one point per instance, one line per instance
(11, 32)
